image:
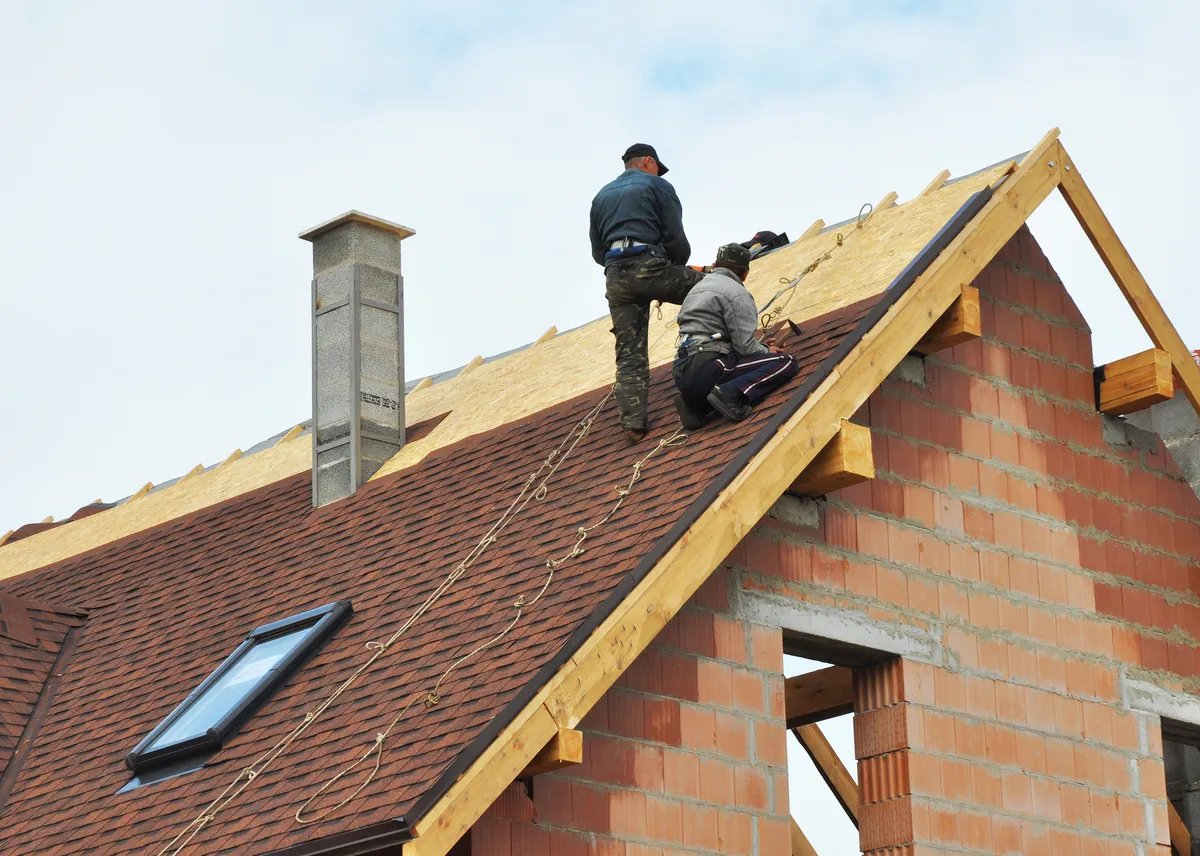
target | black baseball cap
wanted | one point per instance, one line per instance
(734, 254)
(642, 150)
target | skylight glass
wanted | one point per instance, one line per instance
(239, 685)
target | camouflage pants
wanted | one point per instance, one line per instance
(630, 287)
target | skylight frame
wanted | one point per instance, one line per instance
(321, 623)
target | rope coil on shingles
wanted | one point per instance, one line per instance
(789, 286)
(535, 487)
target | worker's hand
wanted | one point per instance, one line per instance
(775, 349)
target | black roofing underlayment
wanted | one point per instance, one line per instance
(898, 287)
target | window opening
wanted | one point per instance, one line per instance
(232, 693)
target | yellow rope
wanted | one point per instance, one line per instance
(433, 697)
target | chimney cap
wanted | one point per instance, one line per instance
(353, 216)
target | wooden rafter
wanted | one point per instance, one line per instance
(1181, 836)
(960, 323)
(936, 184)
(633, 625)
(550, 333)
(1128, 278)
(831, 768)
(887, 202)
(845, 460)
(1135, 383)
(818, 695)
(800, 843)
(814, 229)
(564, 750)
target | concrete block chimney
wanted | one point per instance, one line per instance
(358, 351)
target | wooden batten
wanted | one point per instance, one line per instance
(960, 323)
(564, 749)
(845, 460)
(1134, 383)
(818, 695)
(831, 768)
(937, 182)
(814, 229)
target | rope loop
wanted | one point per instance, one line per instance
(540, 493)
(249, 774)
(868, 207)
(431, 699)
(373, 645)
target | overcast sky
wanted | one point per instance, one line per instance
(157, 161)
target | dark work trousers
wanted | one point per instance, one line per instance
(754, 377)
(630, 286)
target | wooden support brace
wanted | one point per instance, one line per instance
(196, 470)
(1181, 836)
(887, 201)
(550, 333)
(6, 536)
(818, 695)
(293, 432)
(845, 460)
(814, 229)
(1134, 383)
(423, 383)
(960, 323)
(141, 491)
(1128, 278)
(800, 844)
(564, 749)
(831, 768)
(48, 519)
(936, 184)
(231, 457)
(476, 362)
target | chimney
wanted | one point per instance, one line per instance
(358, 351)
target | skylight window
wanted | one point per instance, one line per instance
(227, 697)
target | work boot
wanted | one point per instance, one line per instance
(729, 403)
(633, 436)
(691, 417)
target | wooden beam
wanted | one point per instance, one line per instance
(960, 323)
(421, 384)
(231, 457)
(887, 202)
(141, 491)
(844, 461)
(633, 625)
(1135, 383)
(564, 749)
(293, 432)
(831, 768)
(1128, 278)
(819, 695)
(814, 229)
(1181, 836)
(800, 844)
(476, 362)
(936, 184)
(6, 536)
(550, 333)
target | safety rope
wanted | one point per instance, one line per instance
(789, 285)
(433, 697)
(535, 487)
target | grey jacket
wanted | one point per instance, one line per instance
(642, 207)
(719, 303)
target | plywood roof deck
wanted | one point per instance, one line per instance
(546, 373)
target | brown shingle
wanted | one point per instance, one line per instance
(167, 605)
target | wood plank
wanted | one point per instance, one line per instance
(1135, 383)
(293, 432)
(141, 491)
(6, 536)
(564, 750)
(937, 182)
(550, 333)
(231, 457)
(603, 657)
(800, 843)
(960, 323)
(887, 202)
(1129, 279)
(814, 229)
(819, 695)
(845, 460)
(421, 384)
(1181, 836)
(831, 768)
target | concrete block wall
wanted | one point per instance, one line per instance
(686, 754)
(1022, 559)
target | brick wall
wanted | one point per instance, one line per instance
(686, 754)
(1039, 558)
(1031, 552)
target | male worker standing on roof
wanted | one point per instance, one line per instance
(637, 234)
(720, 365)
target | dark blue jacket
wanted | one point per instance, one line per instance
(643, 207)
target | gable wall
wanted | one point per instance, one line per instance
(1018, 554)
(685, 754)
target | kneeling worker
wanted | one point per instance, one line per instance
(720, 365)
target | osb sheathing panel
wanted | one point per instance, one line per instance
(542, 375)
(582, 359)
